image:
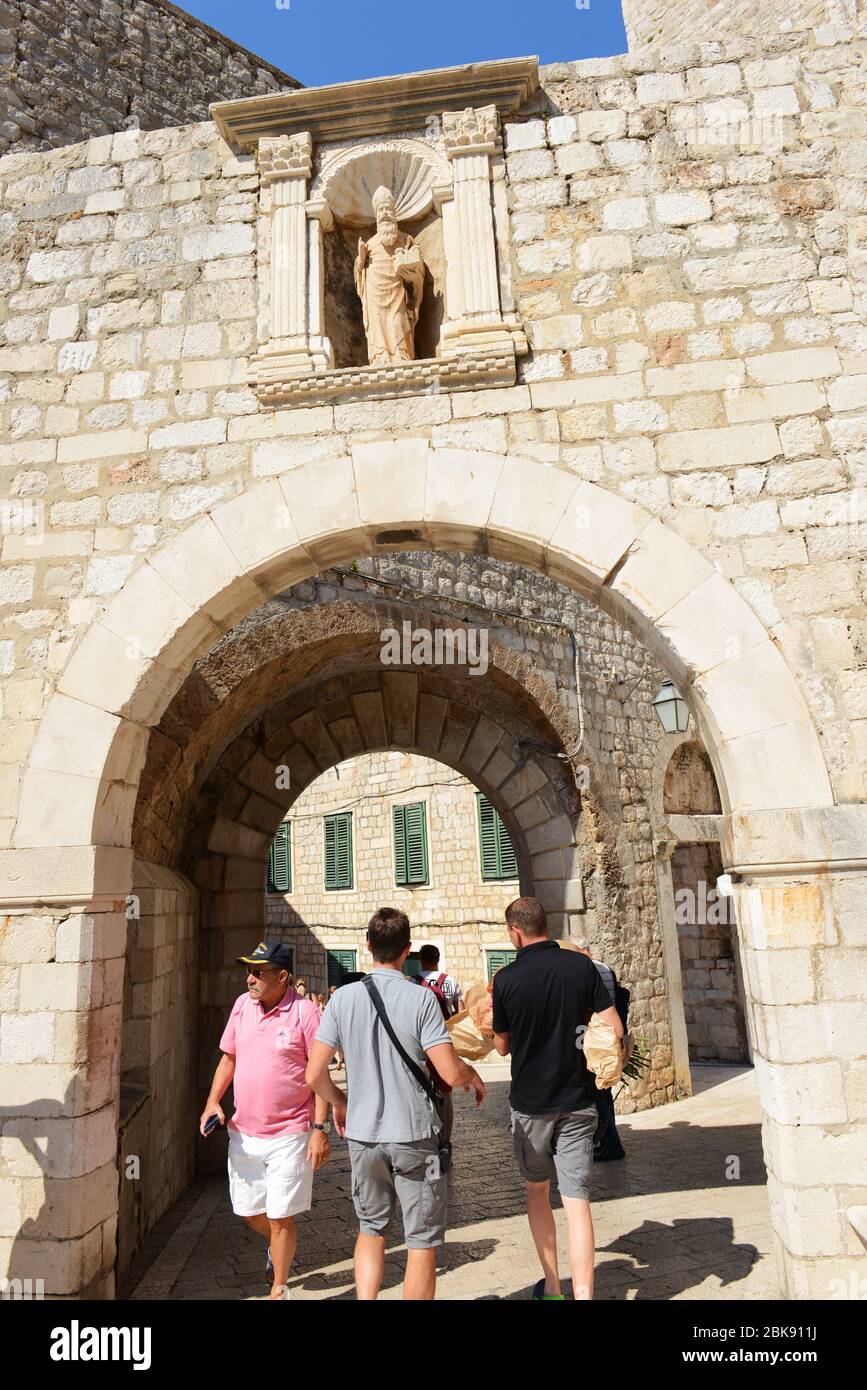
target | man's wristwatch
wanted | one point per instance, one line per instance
(323, 1128)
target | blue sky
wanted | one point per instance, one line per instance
(323, 41)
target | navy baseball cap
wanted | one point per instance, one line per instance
(269, 953)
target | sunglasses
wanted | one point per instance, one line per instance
(257, 971)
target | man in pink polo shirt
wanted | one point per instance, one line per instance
(277, 1135)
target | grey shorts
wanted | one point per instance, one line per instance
(556, 1146)
(383, 1174)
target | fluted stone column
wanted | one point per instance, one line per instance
(475, 315)
(297, 344)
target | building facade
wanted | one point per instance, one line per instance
(421, 839)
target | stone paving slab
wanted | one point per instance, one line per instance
(670, 1223)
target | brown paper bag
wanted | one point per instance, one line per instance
(603, 1053)
(466, 1039)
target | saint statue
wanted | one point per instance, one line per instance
(389, 277)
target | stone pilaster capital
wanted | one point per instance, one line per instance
(286, 157)
(473, 131)
(317, 210)
(663, 849)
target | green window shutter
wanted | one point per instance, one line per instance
(340, 964)
(497, 850)
(497, 959)
(508, 864)
(398, 822)
(280, 861)
(410, 844)
(338, 850)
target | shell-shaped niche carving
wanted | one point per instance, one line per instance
(350, 177)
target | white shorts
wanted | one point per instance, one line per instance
(270, 1177)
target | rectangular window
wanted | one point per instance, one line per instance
(338, 851)
(410, 844)
(497, 959)
(497, 851)
(412, 965)
(280, 861)
(340, 964)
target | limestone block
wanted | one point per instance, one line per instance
(129, 682)
(682, 209)
(322, 501)
(601, 125)
(27, 1037)
(600, 253)
(807, 1219)
(99, 936)
(810, 1156)
(842, 974)
(200, 567)
(528, 135)
(461, 487)
(155, 621)
(105, 444)
(800, 364)
(659, 88)
(848, 393)
(547, 395)
(745, 269)
(699, 376)
(528, 505)
(770, 402)
(594, 532)
(391, 481)
(188, 434)
(210, 243)
(620, 215)
(562, 130)
(258, 529)
(659, 571)
(736, 445)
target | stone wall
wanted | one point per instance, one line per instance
(658, 23)
(707, 930)
(156, 1150)
(690, 238)
(91, 67)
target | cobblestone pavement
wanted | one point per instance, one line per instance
(670, 1223)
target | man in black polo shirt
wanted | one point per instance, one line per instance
(542, 1002)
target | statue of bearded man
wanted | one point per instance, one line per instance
(389, 278)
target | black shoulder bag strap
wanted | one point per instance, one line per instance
(433, 1093)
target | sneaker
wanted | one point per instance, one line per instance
(540, 1296)
(609, 1157)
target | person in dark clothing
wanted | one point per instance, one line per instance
(542, 1004)
(607, 1146)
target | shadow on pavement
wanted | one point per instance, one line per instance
(657, 1260)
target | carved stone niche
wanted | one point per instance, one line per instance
(444, 170)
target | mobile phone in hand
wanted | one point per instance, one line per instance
(211, 1125)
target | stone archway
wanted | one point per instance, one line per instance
(80, 787)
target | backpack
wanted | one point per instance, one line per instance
(436, 987)
(622, 997)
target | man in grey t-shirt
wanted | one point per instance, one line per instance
(388, 1120)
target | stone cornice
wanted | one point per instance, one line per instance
(378, 106)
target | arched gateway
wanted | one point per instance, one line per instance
(80, 787)
(638, 368)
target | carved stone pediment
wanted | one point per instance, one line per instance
(449, 171)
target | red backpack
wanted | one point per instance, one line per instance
(436, 987)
